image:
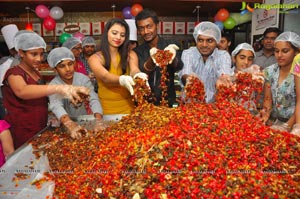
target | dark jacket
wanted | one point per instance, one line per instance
(143, 53)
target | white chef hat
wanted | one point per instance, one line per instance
(28, 40)
(9, 32)
(242, 46)
(289, 36)
(208, 29)
(71, 42)
(132, 29)
(88, 41)
(59, 54)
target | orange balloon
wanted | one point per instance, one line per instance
(222, 15)
(135, 9)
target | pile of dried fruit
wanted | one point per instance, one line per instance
(194, 90)
(193, 151)
(142, 92)
(162, 58)
(244, 89)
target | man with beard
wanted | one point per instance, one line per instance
(205, 61)
(147, 25)
(265, 57)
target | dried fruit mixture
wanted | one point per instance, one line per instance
(196, 150)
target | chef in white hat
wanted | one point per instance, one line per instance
(132, 33)
(9, 31)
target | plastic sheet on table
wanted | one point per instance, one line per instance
(25, 163)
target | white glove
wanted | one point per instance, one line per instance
(172, 48)
(153, 51)
(72, 92)
(127, 82)
(190, 77)
(143, 76)
(296, 130)
(257, 74)
(225, 80)
(280, 126)
(74, 129)
(100, 125)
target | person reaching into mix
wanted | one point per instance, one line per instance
(25, 93)
(206, 61)
(115, 67)
(242, 58)
(279, 89)
(63, 60)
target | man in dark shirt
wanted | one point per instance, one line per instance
(147, 25)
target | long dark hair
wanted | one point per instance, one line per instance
(123, 49)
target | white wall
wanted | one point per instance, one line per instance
(262, 19)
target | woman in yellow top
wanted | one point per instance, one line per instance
(114, 66)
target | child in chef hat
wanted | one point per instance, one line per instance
(63, 60)
(9, 31)
(25, 93)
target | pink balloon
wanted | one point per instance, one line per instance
(78, 35)
(49, 23)
(42, 11)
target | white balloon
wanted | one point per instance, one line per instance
(56, 12)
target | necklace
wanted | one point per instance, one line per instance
(33, 74)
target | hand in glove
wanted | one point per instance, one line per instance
(225, 80)
(127, 82)
(143, 76)
(296, 130)
(153, 51)
(100, 125)
(172, 48)
(74, 129)
(257, 74)
(190, 77)
(72, 92)
(280, 126)
(263, 115)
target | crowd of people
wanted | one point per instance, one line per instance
(100, 82)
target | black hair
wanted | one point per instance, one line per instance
(146, 13)
(123, 49)
(272, 29)
(293, 47)
(226, 35)
(4, 51)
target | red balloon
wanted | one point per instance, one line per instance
(222, 15)
(49, 23)
(135, 9)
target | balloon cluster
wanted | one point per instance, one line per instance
(224, 19)
(65, 36)
(49, 16)
(131, 12)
